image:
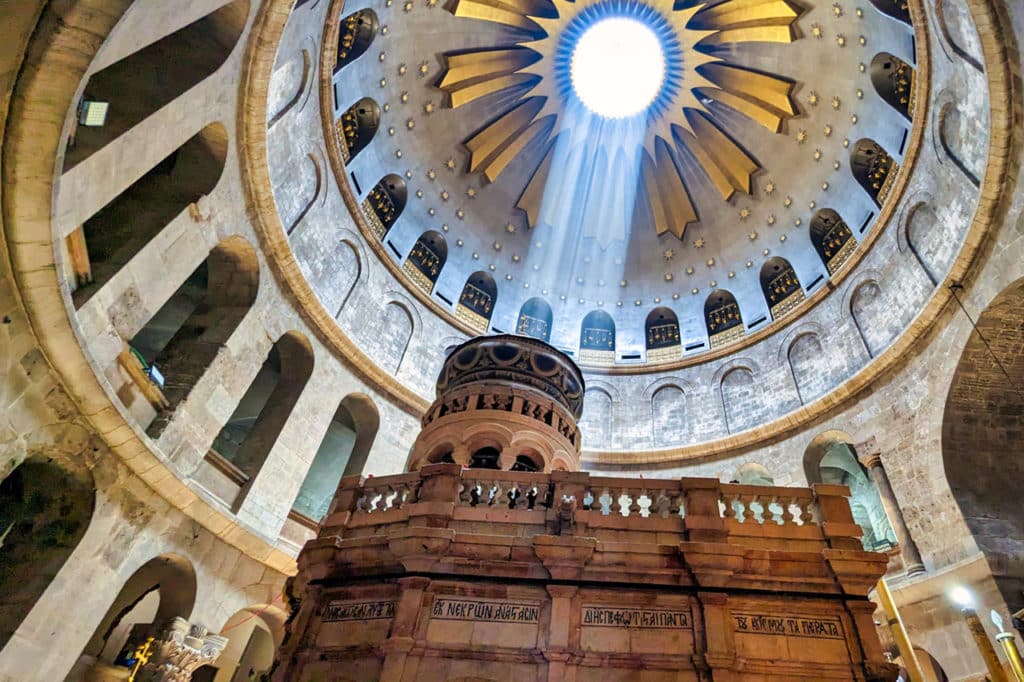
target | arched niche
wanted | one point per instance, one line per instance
(311, 180)
(832, 239)
(955, 137)
(355, 35)
(873, 169)
(597, 338)
(661, 332)
(743, 400)
(476, 303)
(393, 334)
(535, 319)
(780, 286)
(246, 439)
(669, 416)
(115, 234)
(182, 339)
(348, 270)
(357, 126)
(485, 457)
(343, 451)
(831, 458)
(893, 79)
(981, 426)
(722, 318)
(897, 9)
(426, 260)
(45, 510)
(385, 203)
(161, 589)
(812, 367)
(281, 102)
(596, 423)
(138, 85)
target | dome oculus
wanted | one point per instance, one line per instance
(617, 67)
(571, 58)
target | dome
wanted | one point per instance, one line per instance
(738, 216)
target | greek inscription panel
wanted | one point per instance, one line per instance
(657, 619)
(486, 611)
(789, 626)
(336, 611)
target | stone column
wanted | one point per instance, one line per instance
(403, 628)
(563, 634)
(181, 649)
(871, 459)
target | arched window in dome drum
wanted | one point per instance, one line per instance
(476, 304)
(355, 34)
(780, 286)
(722, 318)
(873, 168)
(535, 319)
(183, 338)
(137, 86)
(662, 335)
(385, 203)
(244, 442)
(832, 239)
(342, 452)
(597, 338)
(897, 9)
(893, 79)
(426, 259)
(357, 126)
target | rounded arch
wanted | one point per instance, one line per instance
(832, 239)
(893, 80)
(780, 286)
(597, 338)
(598, 413)
(535, 319)
(385, 202)
(722, 318)
(951, 130)
(254, 635)
(897, 9)
(173, 65)
(661, 334)
(753, 473)
(343, 451)
(873, 169)
(981, 422)
(427, 259)
(357, 127)
(831, 458)
(45, 510)
(355, 35)
(169, 580)
(476, 303)
(349, 272)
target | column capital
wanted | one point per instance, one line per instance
(870, 459)
(868, 452)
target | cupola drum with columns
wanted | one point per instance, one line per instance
(504, 402)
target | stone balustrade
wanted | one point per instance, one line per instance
(697, 509)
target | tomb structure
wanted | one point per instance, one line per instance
(473, 567)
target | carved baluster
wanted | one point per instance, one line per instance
(806, 510)
(748, 507)
(513, 495)
(678, 501)
(728, 504)
(662, 505)
(496, 491)
(634, 507)
(615, 504)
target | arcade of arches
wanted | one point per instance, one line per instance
(240, 239)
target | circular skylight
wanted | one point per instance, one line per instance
(618, 67)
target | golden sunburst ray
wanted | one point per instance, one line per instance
(679, 120)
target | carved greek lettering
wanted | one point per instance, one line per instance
(790, 626)
(361, 610)
(485, 611)
(658, 619)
